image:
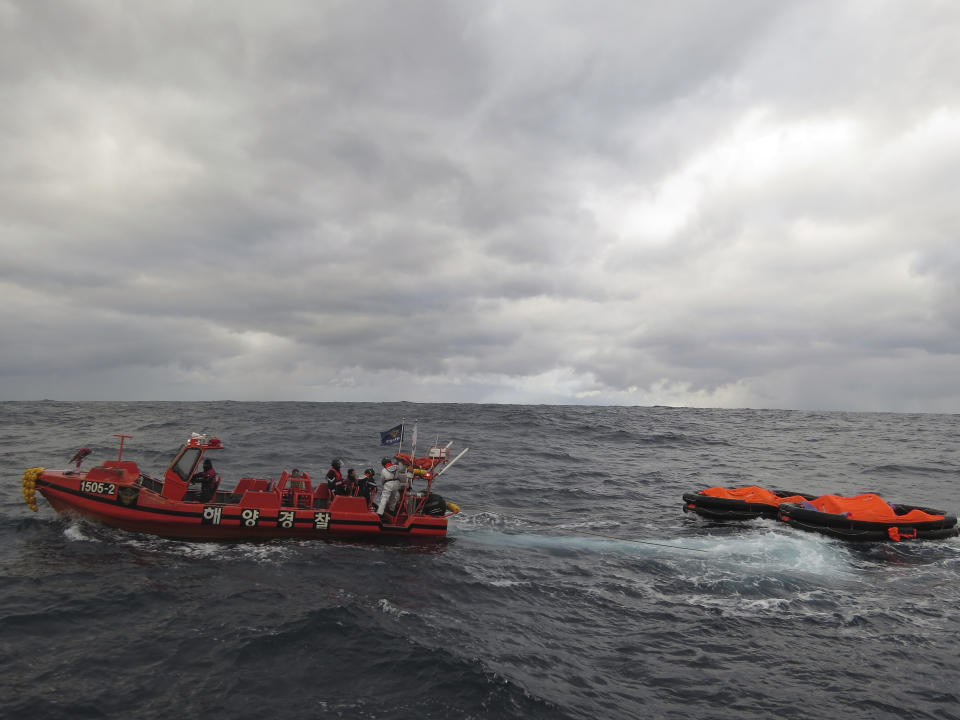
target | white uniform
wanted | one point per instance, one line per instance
(391, 487)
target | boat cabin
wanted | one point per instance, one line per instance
(176, 479)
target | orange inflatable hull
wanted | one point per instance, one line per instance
(115, 494)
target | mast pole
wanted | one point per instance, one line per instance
(121, 436)
(444, 469)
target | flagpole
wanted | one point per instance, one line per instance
(409, 472)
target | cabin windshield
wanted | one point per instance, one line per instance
(186, 463)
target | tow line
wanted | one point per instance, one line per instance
(595, 534)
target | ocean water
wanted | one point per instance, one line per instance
(571, 586)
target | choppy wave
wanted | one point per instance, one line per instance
(572, 585)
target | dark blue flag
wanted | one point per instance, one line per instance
(391, 436)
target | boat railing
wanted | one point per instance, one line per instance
(297, 499)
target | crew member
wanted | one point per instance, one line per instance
(352, 483)
(207, 479)
(391, 486)
(335, 478)
(366, 485)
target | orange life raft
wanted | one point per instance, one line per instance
(743, 503)
(868, 517)
(865, 517)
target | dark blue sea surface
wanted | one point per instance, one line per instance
(572, 585)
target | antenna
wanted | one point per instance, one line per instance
(121, 436)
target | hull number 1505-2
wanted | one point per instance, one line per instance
(100, 488)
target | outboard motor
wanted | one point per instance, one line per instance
(435, 505)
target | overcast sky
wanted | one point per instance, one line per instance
(699, 203)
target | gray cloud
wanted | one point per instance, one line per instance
(741, 205)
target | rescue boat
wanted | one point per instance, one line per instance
(743, 503)
(869, 518)
(117, 494)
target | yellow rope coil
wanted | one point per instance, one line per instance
(29, 482)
